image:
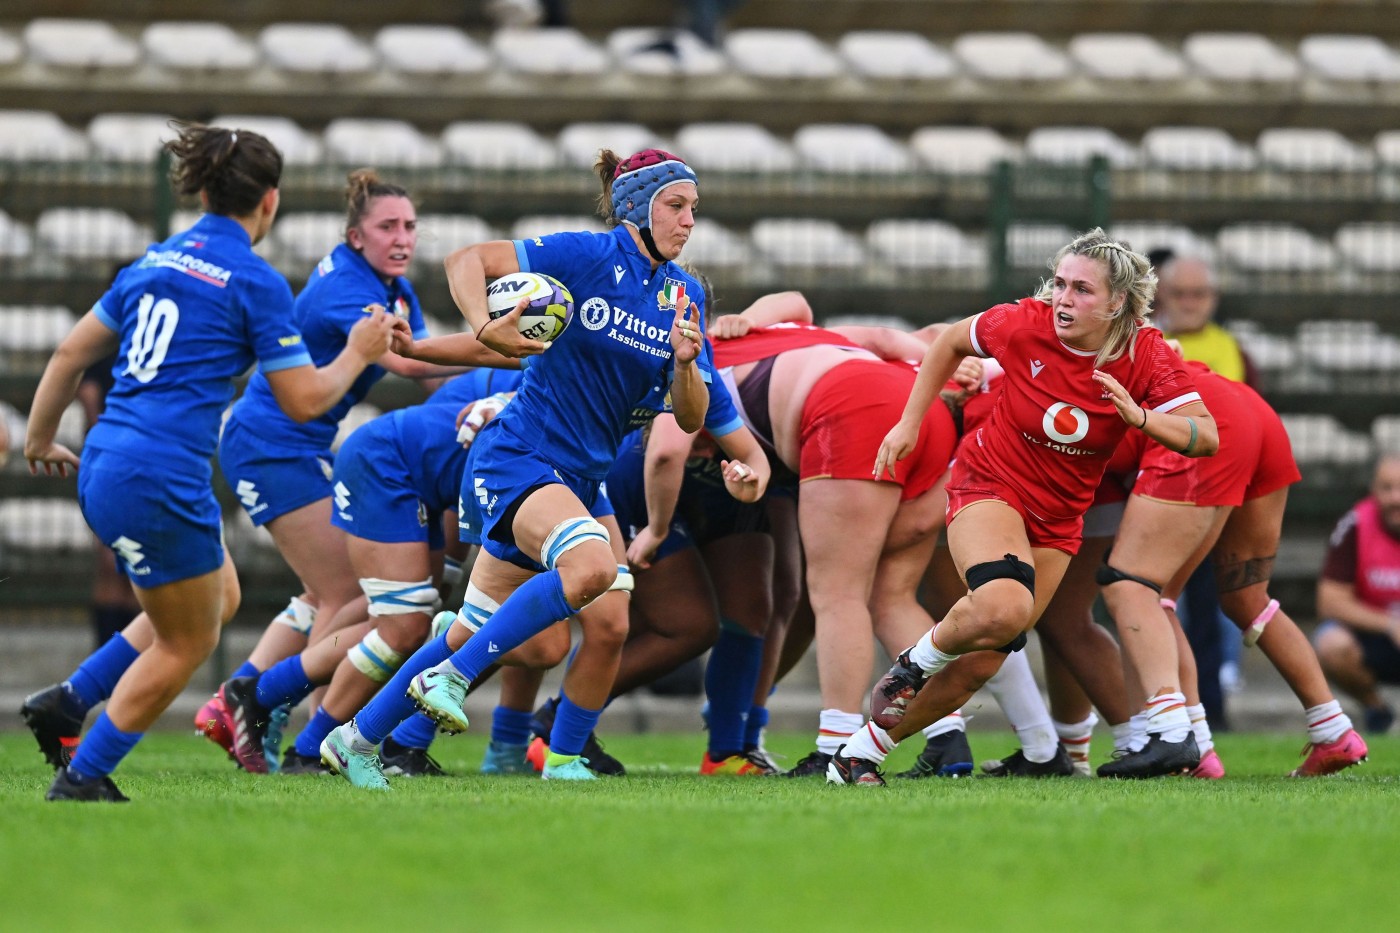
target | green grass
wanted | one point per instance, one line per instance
(205, 847)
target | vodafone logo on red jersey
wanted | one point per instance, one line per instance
(1065, 423)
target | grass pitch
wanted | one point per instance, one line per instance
(204, 847)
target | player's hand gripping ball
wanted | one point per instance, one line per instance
(550, 307)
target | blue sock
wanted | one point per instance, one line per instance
(320, 726)
(531, 609)
(284, 682)
(510, 726)
(417, 731)
(753, 726)
(391, 704)
(246, 669)
(97, 676)
(572, 726)
(103, 748)
(730, 679)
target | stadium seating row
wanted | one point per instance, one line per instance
(717, 146)
(785, 54)
(1360, 256)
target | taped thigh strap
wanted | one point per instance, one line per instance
(374, 658)
(625, 581)
(1107, 575)
(1009, 567)
(397, 597)
(477, 609)
(299, 615)
(570, 533)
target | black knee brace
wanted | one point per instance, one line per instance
(1108, 574)
(1015, 644)
(1009, 567)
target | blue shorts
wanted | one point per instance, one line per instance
(501, 471)
(163, 525)
(375, 498)
(271, 480)
(626, 488)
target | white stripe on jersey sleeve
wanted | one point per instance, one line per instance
(1177, 402)
(972, 334)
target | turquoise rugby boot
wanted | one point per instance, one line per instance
(441, 695)
(572, 769)
(506, 759)
(361, 769)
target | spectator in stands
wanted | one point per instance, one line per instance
(1359, 597)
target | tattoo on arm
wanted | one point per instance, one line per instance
(1237, 575)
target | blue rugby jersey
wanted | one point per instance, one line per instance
(193, 313)
(611, 369)
(341, 290)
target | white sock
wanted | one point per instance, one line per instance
(953, 722)
(835, 727)
(1075, 737)
(1327, 723)
(351, 734)
(871, 743)
(1200, 728)
(1166, 716)
(1138, 741)
(927, 657)
(1123, 736)
(1015, 691)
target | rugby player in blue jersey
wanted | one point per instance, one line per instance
(186, 319)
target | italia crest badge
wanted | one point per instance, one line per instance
(672, 295)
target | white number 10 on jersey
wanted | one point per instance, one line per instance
(155, 325)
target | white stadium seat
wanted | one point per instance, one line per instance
(1077, 144)
(1385, 434)
(1387, 146)
(360, 414)
(649, 50)
(802, 243)
(37, 135)
(1311, 150)
(198, 47)
(580, 142)
(498, 145)
(1144, 236)
(895, 56)
(550, 51)
(87, 233)
(11, 49)
(16, 242)
(1322, 439)
(1348, 346)
(1033, 245)
(1126, 56)
(434, 50)
(352, 140)
(44, 524)
(1360, 59)
(781, 53)
(298, 147)
(79, 44)
(440, 234)
(851, 148)
(733, 147)
(925, 244)
(1274, 247)
(303, 239)
(714, 246)
(1370, 247)
(962, 150)
(536, 225)
(1269, 352)
(316, 48)
(130, 137)
(1239, 57)
(1011, 56)
(34, 329)
(1195, 148)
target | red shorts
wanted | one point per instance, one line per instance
(847, 415)
(1254, 459)
(968, 484)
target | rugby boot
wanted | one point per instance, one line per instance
(845, 769)
(1158, 758)
(944, 755)
(895, 691)
(1331, 757)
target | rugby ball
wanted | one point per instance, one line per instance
(551, 306)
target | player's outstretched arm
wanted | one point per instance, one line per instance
(88, 342)
(663, 473)
(307, 392)
(940, 361)
(1189, 430)
(747, 472)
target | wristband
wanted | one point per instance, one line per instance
(1143, 426)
